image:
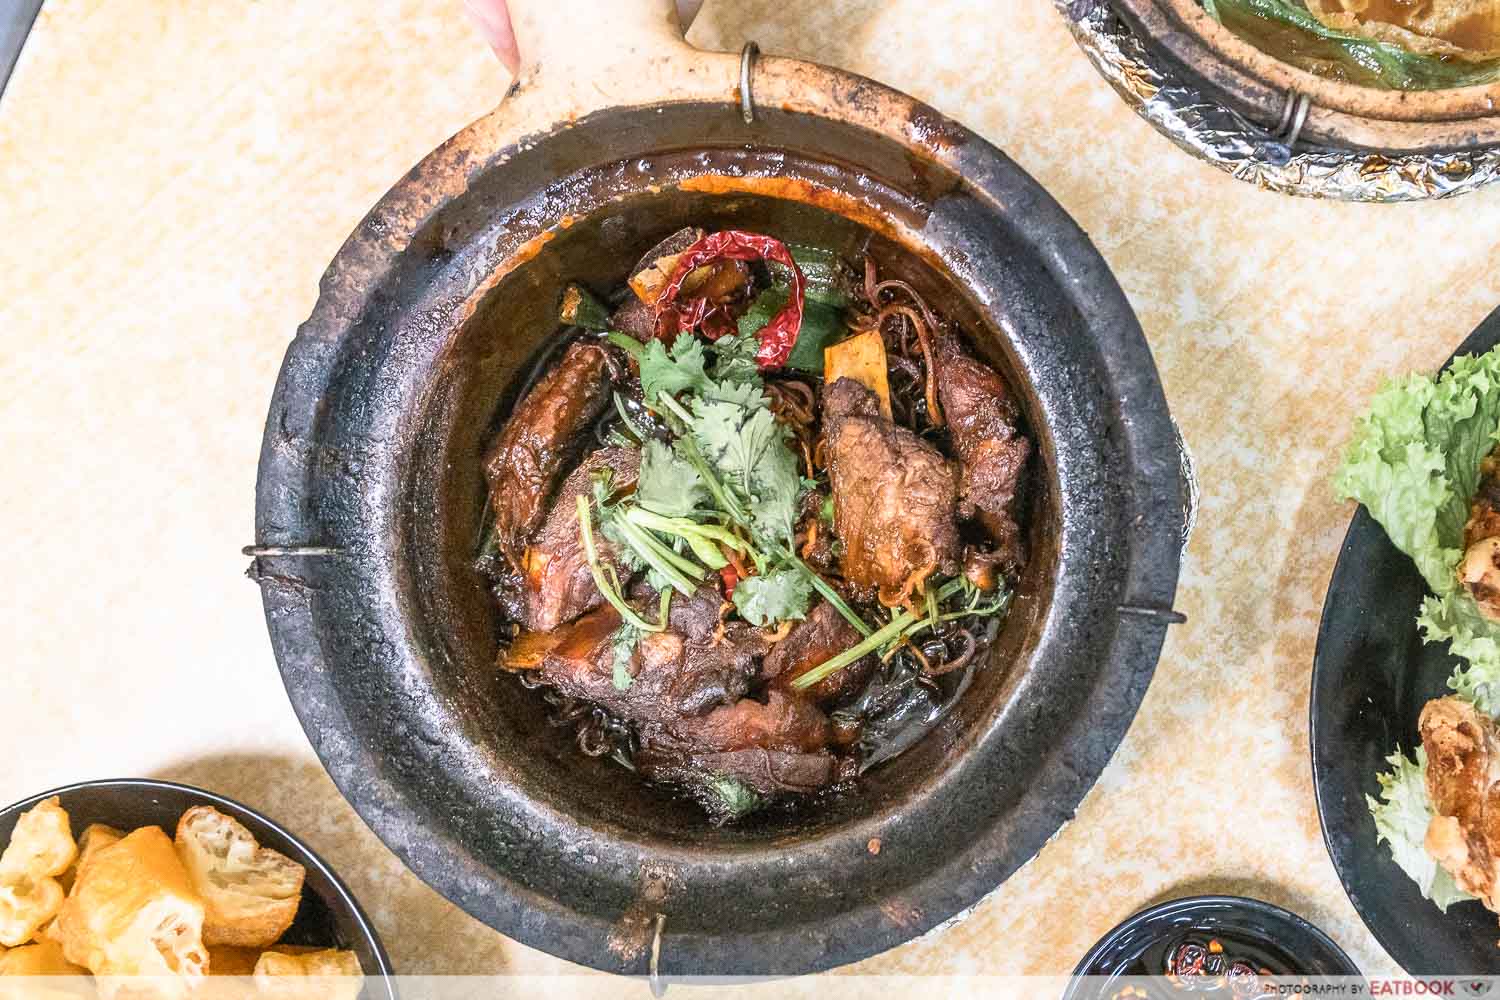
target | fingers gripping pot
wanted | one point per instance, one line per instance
(370, 497)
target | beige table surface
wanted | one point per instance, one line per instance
(173, 179)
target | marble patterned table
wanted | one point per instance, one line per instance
(173, 179)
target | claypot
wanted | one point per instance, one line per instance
(370, 495)
(1343, 115)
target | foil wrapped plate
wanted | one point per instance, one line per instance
(1183, 113)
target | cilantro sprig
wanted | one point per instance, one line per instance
(729, 479)
(905, 624)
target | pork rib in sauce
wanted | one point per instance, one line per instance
(778, 746)
(984, 423)
(818, 638)
(556, 582)
(673, 675)
(541, 440)
(895, 497)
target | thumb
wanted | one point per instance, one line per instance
(493, 20)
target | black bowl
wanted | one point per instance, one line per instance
(1304, 949)
(329, 916)
(1371, 676)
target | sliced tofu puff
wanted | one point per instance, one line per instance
(335, 975)
(228, 960)
(250, 893)
(21, 970)
(45, 958)
(41, 845)
(41, 848)
(25, 905)
(95, 837)
(133, 912)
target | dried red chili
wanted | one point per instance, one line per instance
(776, 338)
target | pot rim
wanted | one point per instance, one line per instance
(1148, 577)
(1261, 86)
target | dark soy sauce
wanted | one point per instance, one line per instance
(1205, 963)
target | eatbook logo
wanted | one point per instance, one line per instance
(1475, 987)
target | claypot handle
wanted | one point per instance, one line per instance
(593, 53)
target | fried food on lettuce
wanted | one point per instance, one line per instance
(1463, 748)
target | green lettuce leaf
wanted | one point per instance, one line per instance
(1401, 816)
(1414, 464)
(1455, 618)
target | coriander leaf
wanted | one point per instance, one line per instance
(735, 799)
(716, 428)
(748, 396)
(623, 553)
(682, 369)
(735, 444)
(667, 484)
(773, 597)
(776, 485)
(734, 357)
(748, 450)
(1401, 815)
(622, 647)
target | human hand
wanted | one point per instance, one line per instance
(493, 20)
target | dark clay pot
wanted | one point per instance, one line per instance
(370, 496)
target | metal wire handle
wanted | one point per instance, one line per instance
(1293, 116)
(747, 64)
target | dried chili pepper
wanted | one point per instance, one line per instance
(776, 338)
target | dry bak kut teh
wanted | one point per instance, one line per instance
(1390, 44)
(755, 523)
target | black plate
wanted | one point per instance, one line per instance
(1371, 676)
(1306, 950)
(329, 916)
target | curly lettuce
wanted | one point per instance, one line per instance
(1414, 463)
(1402, 813)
